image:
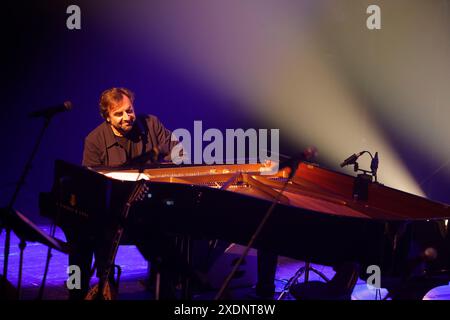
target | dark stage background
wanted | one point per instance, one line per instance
(310, 68)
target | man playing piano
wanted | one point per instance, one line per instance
(124, 138)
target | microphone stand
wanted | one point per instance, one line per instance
(294, 163)
(11, 203)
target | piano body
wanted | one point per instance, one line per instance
(318, 218)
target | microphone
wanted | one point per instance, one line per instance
(374, 164)
(293, 162)
(352, 159)
(51, 111)
(153, 155)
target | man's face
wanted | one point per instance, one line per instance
(121, 116)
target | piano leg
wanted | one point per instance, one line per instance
(166, 264)
(267, 267)
(81, 255)
(184, 245)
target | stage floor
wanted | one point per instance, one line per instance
(134, 275)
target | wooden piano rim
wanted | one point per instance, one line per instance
(268, 186)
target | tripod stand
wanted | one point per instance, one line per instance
(302, 271)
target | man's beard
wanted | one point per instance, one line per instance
(125, 130)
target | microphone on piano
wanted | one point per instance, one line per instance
(293, 162)
(374, 164)
(51, 111)
(155, 154)
(352, 159)
(140, 160)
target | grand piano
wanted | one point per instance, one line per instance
(319, 218)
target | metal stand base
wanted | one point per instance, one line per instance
(294, 279)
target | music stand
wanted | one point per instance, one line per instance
(12, 202)
(26, 230)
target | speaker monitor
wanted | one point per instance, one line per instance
(245, 276)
